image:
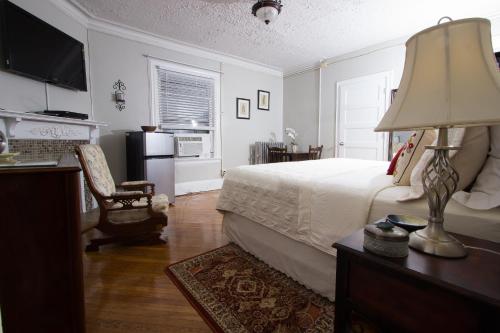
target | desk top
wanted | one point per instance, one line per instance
(477, 275)
(68, 163)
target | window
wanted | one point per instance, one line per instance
(186, 101)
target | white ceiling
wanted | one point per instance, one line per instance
(306, 32)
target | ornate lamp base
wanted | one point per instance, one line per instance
(434, 240)
(440, 181)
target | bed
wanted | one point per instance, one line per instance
(289, 214)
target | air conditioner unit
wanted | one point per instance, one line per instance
(189, 146)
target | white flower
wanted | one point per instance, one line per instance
(292, 134)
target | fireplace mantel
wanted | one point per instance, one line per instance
(25, 125)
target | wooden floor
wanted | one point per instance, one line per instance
(126, 289)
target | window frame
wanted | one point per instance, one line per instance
(185, 69)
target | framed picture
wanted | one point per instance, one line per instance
(263, 98)
(242, 108)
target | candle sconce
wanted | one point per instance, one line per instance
(119, 94)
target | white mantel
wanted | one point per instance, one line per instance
(25, 125)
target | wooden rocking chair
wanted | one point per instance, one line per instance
(135, 213)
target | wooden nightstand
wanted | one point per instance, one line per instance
(420, 293)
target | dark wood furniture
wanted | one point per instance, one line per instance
(298, 156)
(41, 280)
(134, 214)
(276, 154)
(420, 293)
(315, 152)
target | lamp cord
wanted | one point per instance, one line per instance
(483, 249)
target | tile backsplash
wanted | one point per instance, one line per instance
(43, 150)
(47, 150)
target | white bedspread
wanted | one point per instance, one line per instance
(314, 202)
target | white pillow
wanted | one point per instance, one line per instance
(495, 141)
(485, 194)
(467, 161)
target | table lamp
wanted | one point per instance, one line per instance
(450, 79)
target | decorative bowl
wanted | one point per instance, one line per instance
(408, 222)
(148, 128)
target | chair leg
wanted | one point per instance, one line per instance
(150, 238)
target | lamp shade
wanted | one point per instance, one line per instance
(450, 79)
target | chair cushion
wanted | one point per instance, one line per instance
(98, 169)
(135, 182)
(160, 205)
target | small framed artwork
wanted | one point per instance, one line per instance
(263, 98)
(242, 108)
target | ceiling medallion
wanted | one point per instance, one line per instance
(267, 10)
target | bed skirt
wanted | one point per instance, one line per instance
(303, 263)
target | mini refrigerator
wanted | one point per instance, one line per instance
(150, 156)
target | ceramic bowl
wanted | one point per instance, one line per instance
(408, 222)
(148, 128)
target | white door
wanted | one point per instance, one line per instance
(361, 103)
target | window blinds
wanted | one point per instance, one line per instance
(185, 100)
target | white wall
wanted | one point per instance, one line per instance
(300, 105)
(389, 59)
(301, 90)
(114, 58)
(22, 94)
(238, 134)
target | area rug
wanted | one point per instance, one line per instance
(235, 292)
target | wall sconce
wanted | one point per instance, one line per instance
(119, 94)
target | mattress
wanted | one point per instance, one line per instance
(314, 202)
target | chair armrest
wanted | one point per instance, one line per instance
(127, 199)
(138, 185)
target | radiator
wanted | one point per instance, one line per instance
(258, 151)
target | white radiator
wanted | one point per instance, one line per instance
(258, 151)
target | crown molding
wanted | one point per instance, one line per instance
(92, 22)
(371, 49)
(72, 11)
(347, 56)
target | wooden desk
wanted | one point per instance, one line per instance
(420, 293)
(41, 279)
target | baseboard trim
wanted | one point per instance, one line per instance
(198, 186)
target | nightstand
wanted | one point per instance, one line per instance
(420, 293)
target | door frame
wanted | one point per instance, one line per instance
(389, 77)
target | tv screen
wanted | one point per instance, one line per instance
(33, 48)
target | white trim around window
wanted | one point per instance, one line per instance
(184, 69)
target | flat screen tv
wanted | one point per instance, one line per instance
(34, 48)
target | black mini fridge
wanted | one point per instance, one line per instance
(150, 156)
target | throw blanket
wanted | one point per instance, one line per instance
(314, 202)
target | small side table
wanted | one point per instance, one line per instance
(420, 293)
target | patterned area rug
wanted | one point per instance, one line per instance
(235, 292)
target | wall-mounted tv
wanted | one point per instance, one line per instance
(34, 48)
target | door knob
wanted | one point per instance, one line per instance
(341, 143)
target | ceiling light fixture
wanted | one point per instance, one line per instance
(267, 10)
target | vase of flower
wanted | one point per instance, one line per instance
(292, 134)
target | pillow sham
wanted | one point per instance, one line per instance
(411, 153)
(485, 193)
(468, 161)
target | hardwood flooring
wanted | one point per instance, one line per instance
(126, 289)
